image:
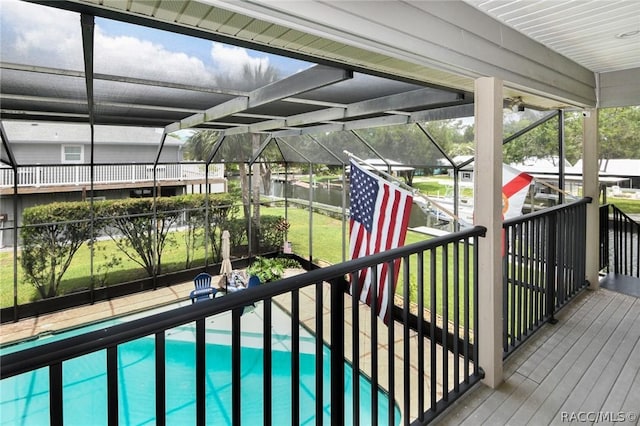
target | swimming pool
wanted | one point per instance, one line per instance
(24, 399)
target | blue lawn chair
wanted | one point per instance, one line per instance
(202, 280)
(254, 281)
(203, 290)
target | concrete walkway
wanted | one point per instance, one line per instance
(59, 321)
(87, 314)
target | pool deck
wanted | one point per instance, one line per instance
(365, 352)
(87, 314)
(59, 321)
(589, 361)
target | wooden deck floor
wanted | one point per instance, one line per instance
(584, 369)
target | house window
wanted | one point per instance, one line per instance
(72, 153)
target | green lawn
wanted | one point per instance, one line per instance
(327, 234)
(327, 247)
(433, 187)
(440, 186)
(77, 277)
(627, 205)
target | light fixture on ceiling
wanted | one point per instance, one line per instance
(517, 105)
(628, 34)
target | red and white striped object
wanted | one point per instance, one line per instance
(379, 213)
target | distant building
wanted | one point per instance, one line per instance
(618, 171)
(542, 165)
(54, 164)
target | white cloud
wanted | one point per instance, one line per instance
(40, 35)
(45, 36)
(230, 60)
(140, 58)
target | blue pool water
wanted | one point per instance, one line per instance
(24, 399)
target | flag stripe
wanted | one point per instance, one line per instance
(516, 184)
(403, 233)
(381, 243)
(390, 243)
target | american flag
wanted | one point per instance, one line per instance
(379, 216)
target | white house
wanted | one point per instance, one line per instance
(54, 164)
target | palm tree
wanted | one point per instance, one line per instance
(199, 145)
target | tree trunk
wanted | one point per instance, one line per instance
(265, 175)
(255, 179)
(244, 186)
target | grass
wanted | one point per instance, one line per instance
(327, 234)
(327, 248)
(627, 205)
(433, 187)
(440, 186)
(77, 277)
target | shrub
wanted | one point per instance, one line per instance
(221, 209)
(131, 225)
(270, 233)
(238, 232)
(51, 235)
(271, 269)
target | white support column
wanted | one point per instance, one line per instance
(488, 212)
(591, 188)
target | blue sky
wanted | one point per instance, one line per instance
(39, 35)
(192, 45)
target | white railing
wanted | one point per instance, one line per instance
(104, 174)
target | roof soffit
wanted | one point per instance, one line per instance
(277, 32)
(435, 37)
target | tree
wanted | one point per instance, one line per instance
(139, 234)
(199, 145)
(51, 235)
(618, 136)
(540, 142)
(619, 130)
(252, 77)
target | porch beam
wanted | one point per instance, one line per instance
(619, 88)
(591, 188)
(313, 78)
(400, 101)
(488, 212)
(45, 100)
(457, 111)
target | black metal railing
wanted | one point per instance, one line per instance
(625, 245)
(424, 361)
(605, 239)
(543, 268)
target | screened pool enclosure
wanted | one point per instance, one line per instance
(108, 110)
